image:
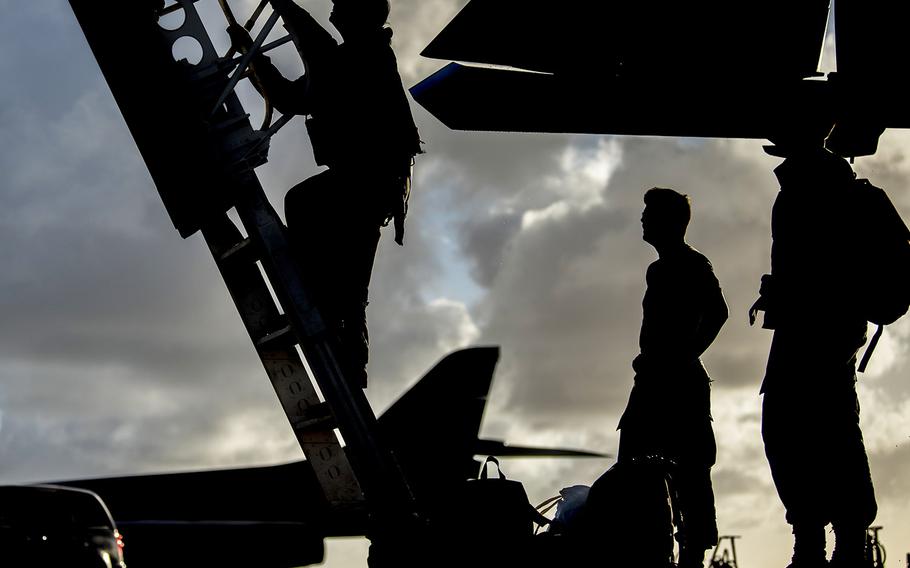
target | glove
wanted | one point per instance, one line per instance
(240, 38)
(758, 306)
(282, 6)
(765, 298)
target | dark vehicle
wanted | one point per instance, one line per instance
(49, 525)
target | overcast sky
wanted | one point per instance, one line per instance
(120, 351)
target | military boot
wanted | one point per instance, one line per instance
(849, 547)
(808, 547)
(690, 558)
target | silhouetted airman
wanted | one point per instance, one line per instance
(810, 411)
(669, 410)
(361, 128)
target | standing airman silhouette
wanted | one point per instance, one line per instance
(810, 411)
(669, 410)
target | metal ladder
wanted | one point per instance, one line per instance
(363, 475)
(274, 339)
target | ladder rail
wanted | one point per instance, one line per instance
(282, 364)
(380, 477)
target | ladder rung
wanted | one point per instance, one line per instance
(168, 9)
(241, 251)
(318, 417)
(231, 122)
(285, 335)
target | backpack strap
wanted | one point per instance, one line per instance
(539, 511)
(868, 354)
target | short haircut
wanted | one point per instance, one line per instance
(377, 11)
(374, 13)
(670, 205)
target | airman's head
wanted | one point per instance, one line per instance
(357, 17)
(666, 216)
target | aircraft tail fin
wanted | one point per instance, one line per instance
(433, 427)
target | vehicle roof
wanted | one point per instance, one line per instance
(45, 504)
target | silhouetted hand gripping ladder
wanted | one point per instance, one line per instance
(201, 152)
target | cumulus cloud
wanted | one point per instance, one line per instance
(578, 184)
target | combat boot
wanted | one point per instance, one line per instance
(849, 547)
(808, 547)
(808, 562)
(689, 558)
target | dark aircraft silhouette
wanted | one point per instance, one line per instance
(277, 516)
(709, 68)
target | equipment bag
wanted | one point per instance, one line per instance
(883, 247)
(628, 514)
(569, 503)
(497, 508)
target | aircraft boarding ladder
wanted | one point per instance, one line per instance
(201, 152)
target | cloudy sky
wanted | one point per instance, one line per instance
(120, 351)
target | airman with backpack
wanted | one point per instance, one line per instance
(840, 258)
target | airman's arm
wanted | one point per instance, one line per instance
(714, 313)
(311, 39)
(289, 97)
(713, 319)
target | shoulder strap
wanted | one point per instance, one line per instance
(868, 354)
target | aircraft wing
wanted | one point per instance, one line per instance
(509, 100)
(269, 517)
(699, 37)
(501, 449)
(707, 68)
